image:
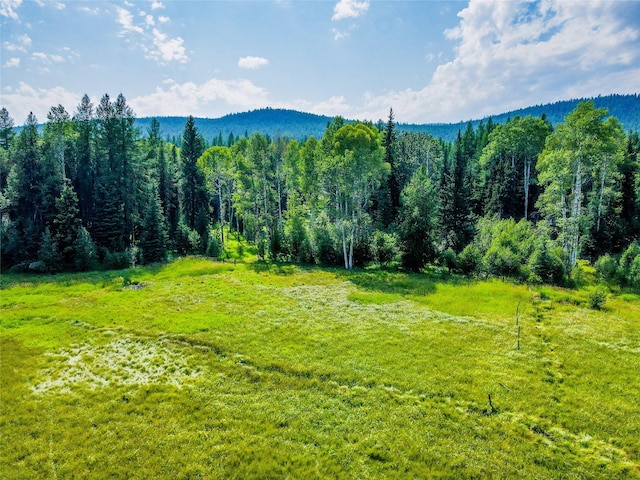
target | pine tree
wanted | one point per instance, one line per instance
(456, 222)
(192, 186)
(48, 253)
(153, 241)
(66, 222)
(84, 180)
(6, 129)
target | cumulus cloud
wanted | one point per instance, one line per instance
(211, 98)
(168, 49)
(155, 5)
(252, 63)
(156, 44)
(349, 9)
(513, 54)
(12, 62)
(125, 19)
(23, 99)
(8, 8)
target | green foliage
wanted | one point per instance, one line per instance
(449, 260)
(470, 260)
(597, 298)
(606, 268)
(214, 247)
(546, 265)
(49, 254)
(384, 248)
(85, 251)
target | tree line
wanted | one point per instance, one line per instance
(520, 199)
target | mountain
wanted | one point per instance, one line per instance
(299, 125)
(268, 121)
(625, 108)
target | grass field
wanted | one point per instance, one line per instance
(201, 369)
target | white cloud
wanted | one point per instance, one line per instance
(46, 58)
(252, 63)
(168, 49)
(12, 62)
(514, 54)
(8, 8)
(125, 19)
(200, 99)
(157, 45)
(156, 5)
(339, 35)
(23, 42)
(350, 9)
(24, 99)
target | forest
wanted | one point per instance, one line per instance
(523, 199)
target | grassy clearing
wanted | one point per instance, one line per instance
(204, 369)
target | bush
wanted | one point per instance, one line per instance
(597, 299)
(214, 247)
(546, 266)
(470, 260)
(85, 251)
(384, 247)
(449, 260)
(117, 260)
(606, 268)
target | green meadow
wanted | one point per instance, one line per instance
(202, 369)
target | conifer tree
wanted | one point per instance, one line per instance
(153, 240)
(66, 222)
(456, 222)
(192, 186)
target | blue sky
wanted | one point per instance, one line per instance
(432, 61)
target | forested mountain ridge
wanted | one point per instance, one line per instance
(276, 122)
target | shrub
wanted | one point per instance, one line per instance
(606, 268)
(597, 299)
(214, 247)
(470, 260)
(449, 260)
(384, 247)
(546, 266)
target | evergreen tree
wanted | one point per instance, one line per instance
(192, 186)
(153, 241)
(418, 221)
(85, 250)
(388, 196)
(48, 253)
(6, 129)
(23, 194)
(84, 180)
(66, 222)
(456, 222)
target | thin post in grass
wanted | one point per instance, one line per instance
(518, 337)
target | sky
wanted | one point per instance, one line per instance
(431, 61)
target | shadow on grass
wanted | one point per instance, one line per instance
(393, 282)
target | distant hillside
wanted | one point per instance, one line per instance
(269, 121)
(299, 125)
(625, 108)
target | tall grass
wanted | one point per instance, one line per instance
(204, 369)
